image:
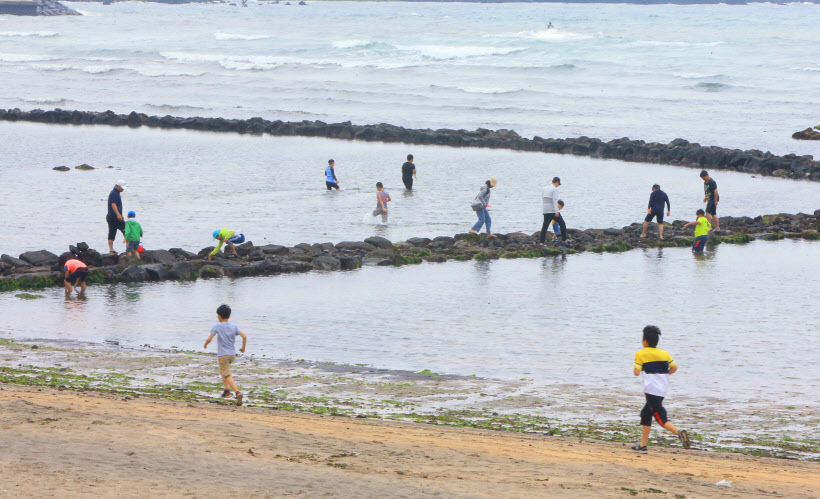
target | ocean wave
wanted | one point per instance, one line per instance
(552, 35)
(101, 59)
(160, 73)
(175, 107)
(46, 100)
(712, 86)
(233, 36)
(697, 76)
(445, 52)
(813, 70)
(349, 44)
(495, 91)
(26, 58)
(40, 34)
(656, 43)
(266, 62)
(94, 70)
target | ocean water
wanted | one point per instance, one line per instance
(735, 321)
(734, 76)
(185, 184)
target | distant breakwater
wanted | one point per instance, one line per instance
(678, 152)
(41, 269)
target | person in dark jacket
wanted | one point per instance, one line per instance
(114, 217)
(408, 171)
(483, 215)
(657, 200)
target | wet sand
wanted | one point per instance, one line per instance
(62, 443)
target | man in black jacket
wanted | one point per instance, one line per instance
(657, 200)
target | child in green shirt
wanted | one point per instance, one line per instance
(132, 235)
(701, 231)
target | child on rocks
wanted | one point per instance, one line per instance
(226, 334)
(657, 365)
(132, 235)
(701, 231)
(556, 229)
(226, 236)
(382, 198)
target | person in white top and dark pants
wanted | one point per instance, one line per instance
(549, 200)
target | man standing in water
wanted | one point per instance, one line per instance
(408, 171)
(330, 176)
(114, 217)
(549, 202)
(657, 200)
(711, 198)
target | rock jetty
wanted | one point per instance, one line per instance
(678, 152)
(807, 134)
(41, 269)
(36, 8)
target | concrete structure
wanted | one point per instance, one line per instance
(19, 7)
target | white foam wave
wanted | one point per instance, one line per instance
(40, 34)
(349, 44)
(155, 74)
(696, 76)
(550, 35)
(26, 58)
(264, 62)
(234, 36)
(806, 69)
(96, 69)
(479, 90)
(101, 59)
(656, 43)
(445, 52)
(46, 100)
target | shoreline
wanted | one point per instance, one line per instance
(178, 449)
(513, 408)
(678, 152)
(41, 269)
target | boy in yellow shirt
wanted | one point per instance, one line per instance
(701, 231)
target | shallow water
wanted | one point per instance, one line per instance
(734, 76)
(740, 322)
(185, 184)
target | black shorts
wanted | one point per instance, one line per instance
(77, 276)
(654, 214)
(332, 185)
(408, 182)
(113, 226)
(711, 208)
(653, 409)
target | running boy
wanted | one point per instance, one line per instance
(226, 334)
(132, 235)
(701, 231)
(656, 365)
(382, 198)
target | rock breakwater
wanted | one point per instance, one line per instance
(41, 269)
(677, 152)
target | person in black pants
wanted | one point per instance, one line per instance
(657, 200)
(551, 210)
(114, 217)
(408, 171)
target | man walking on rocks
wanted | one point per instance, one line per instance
(657, 200)
(114, 217)
(408, 171)
(711, 198)
(549, 201)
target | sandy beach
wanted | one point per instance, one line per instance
(67, 444)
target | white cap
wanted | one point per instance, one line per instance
(121, 183)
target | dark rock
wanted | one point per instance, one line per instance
(183, 271)
(40, 258)
(210, 271)
(274, 249)
(14, 262)
(155, 272)
(182, 254)
(134, 273)
(109, 259)
(612, 232)
(323, 247)
(350, 262)
(355, 246)
(375, 261)
(419, 241)
(326, 262)
(161, 256)
(379, 242)
(807, 134)
(61, 168)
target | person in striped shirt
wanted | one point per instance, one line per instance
(657, 365)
